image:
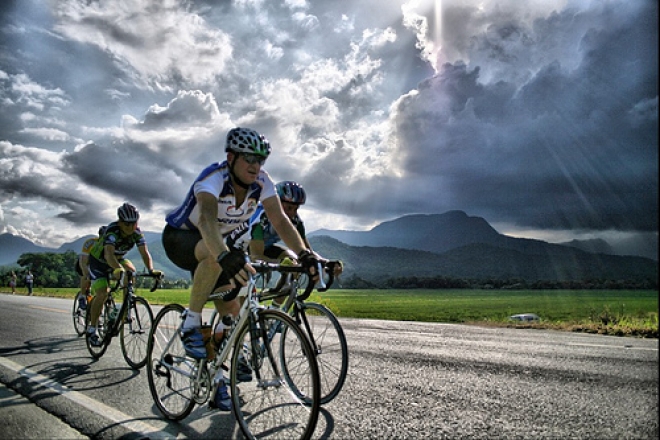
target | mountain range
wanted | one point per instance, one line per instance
(452, 245)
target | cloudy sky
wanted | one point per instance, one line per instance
(540, 116)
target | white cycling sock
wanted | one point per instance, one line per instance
(193, 320)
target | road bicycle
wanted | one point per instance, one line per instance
(79, 314)
(282, 399)
(132, 321)
(321, 326)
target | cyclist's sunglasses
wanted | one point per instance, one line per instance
(253, 158)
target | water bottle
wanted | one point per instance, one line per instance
(221, 338)
(113, 316)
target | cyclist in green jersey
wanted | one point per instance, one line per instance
(106, 259)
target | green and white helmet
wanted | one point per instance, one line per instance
(246, 140)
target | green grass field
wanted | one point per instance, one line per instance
(621, 312)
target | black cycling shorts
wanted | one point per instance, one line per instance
(179, 245)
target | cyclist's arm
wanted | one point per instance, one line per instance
(110, 257)
(208, 224)
(83, 262)
(283, 225)
(146, 257)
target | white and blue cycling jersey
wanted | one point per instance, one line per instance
(232, 220)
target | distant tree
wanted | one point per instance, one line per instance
(51, 269)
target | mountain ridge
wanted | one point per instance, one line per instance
(452, 244)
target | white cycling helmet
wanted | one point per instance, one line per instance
(246, 140)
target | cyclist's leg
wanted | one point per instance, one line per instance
(100, 292)
(187, 250)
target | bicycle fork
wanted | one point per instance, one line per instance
(303, 322)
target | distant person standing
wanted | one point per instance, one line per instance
(12, 282)
(29, 282)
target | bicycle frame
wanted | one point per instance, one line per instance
(127, 286)
(124, 317)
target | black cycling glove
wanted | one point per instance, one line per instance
(309, 259)
(232, 262)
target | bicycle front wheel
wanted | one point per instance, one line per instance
(282, 400)
(102, 328)
(79, 313)
(329, 343)
(135, 330)
(169, 371)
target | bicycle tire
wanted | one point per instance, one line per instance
(79, 314)
(330, 344)
(169, 371)
(280, 402)
(102, 328)
(134, 332)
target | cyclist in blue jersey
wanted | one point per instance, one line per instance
(106, 259)
(265, 243)
(215, 213)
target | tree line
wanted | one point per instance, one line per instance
(58, 270)
(55, 270)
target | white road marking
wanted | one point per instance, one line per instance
(99, 408)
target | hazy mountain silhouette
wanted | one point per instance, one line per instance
(11, 248)
(478, 261)
(452, 244)
(439, 233)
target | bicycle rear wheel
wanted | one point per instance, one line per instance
(134, 334)
(282, 401)
(102, 328)
(79, 313)
(169, 371)
(330, 344)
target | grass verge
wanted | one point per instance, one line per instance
(610, 312)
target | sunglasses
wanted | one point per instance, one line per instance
(253, 158)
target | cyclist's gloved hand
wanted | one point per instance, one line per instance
(156, 273)
(118, 273)
(232, 262)
(309, 260)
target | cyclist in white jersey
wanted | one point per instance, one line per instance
(216, 211)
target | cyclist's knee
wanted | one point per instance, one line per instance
(128, 265)
(100, 285)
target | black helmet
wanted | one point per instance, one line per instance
(292, 192)
(128, 213)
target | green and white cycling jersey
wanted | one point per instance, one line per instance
(112, 236)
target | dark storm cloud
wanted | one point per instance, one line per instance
(127, 170)
(570, 149)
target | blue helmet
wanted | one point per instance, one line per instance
(292, 192)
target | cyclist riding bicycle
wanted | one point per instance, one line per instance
(106, 258)
(82, 265)
(265, 243)
(215, 213)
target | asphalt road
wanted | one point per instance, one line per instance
(406, 380)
